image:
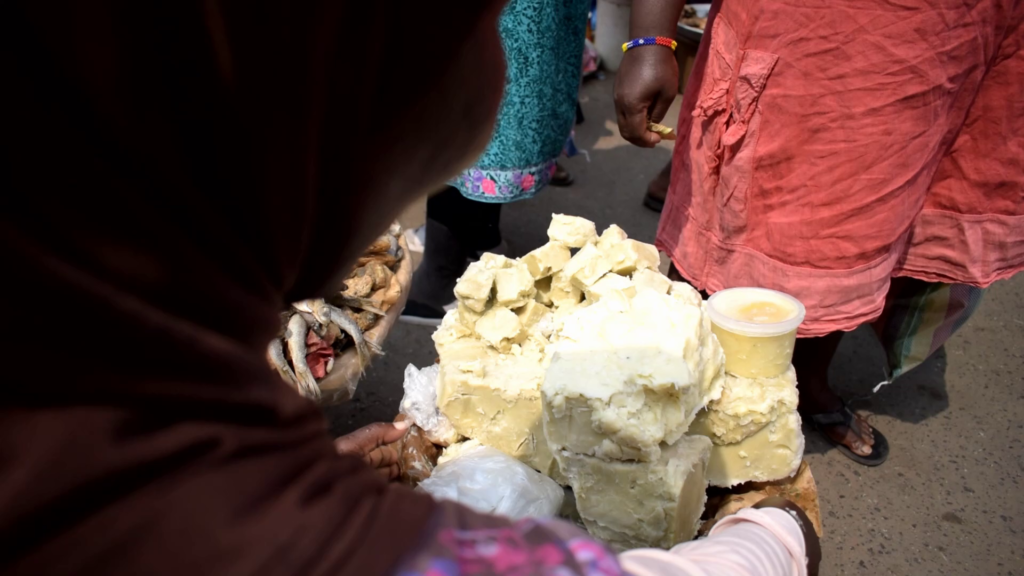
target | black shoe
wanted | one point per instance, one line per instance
(654, 203)
(421, 314)
(561, 178)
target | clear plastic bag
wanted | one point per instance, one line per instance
(492, 482)
(420, 404)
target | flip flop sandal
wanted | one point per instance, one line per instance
(843, 416)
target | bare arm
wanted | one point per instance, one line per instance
(648, 77)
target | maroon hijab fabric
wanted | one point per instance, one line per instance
(173, 173)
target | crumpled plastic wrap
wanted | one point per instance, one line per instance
(420, 404)
(492, 482)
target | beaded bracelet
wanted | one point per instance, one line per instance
(650, 41)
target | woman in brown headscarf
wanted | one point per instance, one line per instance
(174, 173)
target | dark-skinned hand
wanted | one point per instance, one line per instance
(373, 444)
(813, 544)
(645, 87)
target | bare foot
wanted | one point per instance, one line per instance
(859, 438)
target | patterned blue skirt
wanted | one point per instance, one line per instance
(543, 42)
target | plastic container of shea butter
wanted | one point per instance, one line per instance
(757, 329)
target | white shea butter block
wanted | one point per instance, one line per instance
(587, 267)
(611, 236)
(685, 293)
(495, 261)
(467, 316)
(572, 231)
(651, 279)
(452, 329)
(531, 314)
(514, 285)
(773, 453)
(622, 382)
(629, 256)
(474, 287)
(749, 404)
(608, 284)
(547, 259)
(543, 295)
(563, 292)
(494, 398)
(641, 504)
(499, 327)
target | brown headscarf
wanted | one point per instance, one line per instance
(173, 174)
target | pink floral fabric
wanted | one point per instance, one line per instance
(526, 548)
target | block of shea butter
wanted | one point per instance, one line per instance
(531, 313)
(513, 285)
(543, 295)
(608, 284)
(651, 279)
(622, 382)
(572, 231)
(563, 292)
(772, 453)
(587, 267)
(547, 259)
(474, 287)
(493, 397)
(749, 404)
(629, 255)
(499, 327)
(685, 293)
(467, 316)
(641, 504)
(611, 236)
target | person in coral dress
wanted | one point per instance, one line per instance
(825, 150)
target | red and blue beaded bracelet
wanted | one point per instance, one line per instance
(650, 41)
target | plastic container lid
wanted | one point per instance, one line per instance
(723, 307)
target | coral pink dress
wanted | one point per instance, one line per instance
(825, 150)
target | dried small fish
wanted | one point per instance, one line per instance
(365, 349)
(325, 313)
(295, 335)
(275, 355)
(665, 132)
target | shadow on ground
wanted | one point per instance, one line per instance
(859, 366)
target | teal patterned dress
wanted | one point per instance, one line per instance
(543, 42)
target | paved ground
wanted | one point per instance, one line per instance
(948, 501)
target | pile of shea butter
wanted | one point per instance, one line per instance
(585, 362)
(628, 373)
